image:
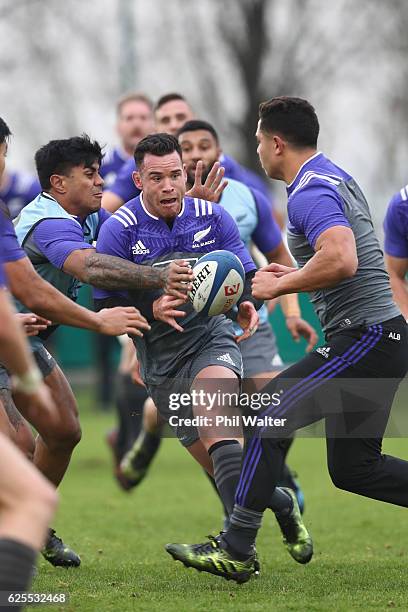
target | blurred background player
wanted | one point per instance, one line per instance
(170, 113)
(261, 361)
(135, 121)
(396, 247)
(27, 500)
(17, 189)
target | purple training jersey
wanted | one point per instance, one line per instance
(18, 190)
(123, 186)
(112, 162)
(396, 225)
(10, 249)
(133, 233)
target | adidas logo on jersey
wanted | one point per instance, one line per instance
(140, 249)
(227, 358)
(324, 350)
(199, 236)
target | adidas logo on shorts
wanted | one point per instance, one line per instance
(324, 350)
(227, 358)
(140, 249)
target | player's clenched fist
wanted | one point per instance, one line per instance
(265, 285)
(177, 278)
(122, 320)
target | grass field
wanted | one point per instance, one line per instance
(361, 547)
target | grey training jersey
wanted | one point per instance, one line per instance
(323, 196)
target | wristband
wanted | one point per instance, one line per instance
(29, 382)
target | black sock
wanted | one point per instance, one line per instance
(130, 399)
(226, 456)
(16, 566)
(240, 536)
(281, 502)
(150, 443)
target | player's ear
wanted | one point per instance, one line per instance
(279, 144)
(185, 172)
(137, 179)
(58, 183)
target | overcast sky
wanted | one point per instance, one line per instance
(63, 65)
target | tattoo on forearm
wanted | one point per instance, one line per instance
(13, 414)
(109, 272)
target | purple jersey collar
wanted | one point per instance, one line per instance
(300, 172)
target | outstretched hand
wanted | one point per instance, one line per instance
(213, 186)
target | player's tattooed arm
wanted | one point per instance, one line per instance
(109, 272)
(113, 273)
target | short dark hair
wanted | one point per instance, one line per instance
(294, 119)
(60, 156)
(170, 97)
(5, 132)
(157, 144)
(197, 124)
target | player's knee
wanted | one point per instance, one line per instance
(346, 477)
(66, 436)
(25, 441)
(70, 435)
(151, 420)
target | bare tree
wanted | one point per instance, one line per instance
(391, 69)
(292, 48)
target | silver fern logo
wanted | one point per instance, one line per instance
(199, 236)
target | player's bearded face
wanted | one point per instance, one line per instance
(198, 145)
(163, 182)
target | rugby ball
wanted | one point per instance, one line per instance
(218, 283)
